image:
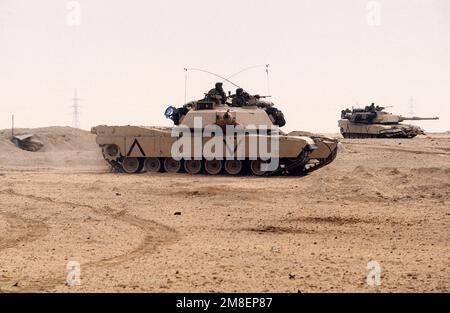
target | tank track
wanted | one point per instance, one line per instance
(320, 163)
(408, 135)
(299, 167)
(115, 166)
(294, 168)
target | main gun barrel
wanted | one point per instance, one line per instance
(415, 118)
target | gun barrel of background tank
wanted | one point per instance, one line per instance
(415, 118)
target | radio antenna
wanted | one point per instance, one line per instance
(245, 69)
(217, 75)
(227, 79)
(185, 84)
(268, 81)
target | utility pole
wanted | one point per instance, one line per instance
(12, 126)
(76, 111)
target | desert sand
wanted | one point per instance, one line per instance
(386, 200)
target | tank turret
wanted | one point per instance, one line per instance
(250, 110)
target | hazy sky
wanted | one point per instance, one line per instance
(127, 57)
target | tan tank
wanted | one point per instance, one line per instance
(133, 149)
(374, 122)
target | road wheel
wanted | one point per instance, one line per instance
(233, 167)
(152, 165)
(255, 167)
(131, 165)
(213, 167)
(171, 165)
(111, 150)
(193, 166)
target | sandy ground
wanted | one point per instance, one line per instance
(382, 200)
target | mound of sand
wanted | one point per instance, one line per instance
(62, 146)
(54, 138)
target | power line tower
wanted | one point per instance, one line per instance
(75, 110)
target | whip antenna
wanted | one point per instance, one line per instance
(268, 81)
(217, 75)
(185, 84)
(244, 70)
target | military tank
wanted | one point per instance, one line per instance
(134, 149)
(374, 122)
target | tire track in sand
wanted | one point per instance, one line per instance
(156, 235)
(21, 230)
